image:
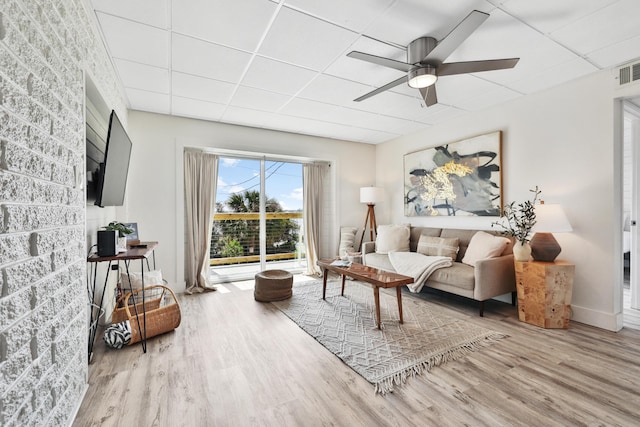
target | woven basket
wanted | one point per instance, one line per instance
(161, 308)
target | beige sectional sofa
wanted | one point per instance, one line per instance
(488, 278)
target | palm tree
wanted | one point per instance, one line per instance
(281, 236)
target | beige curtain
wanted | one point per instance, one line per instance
(313, 177)
(200, 177)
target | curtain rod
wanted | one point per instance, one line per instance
(257, 156)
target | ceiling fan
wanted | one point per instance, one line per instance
(425, 60)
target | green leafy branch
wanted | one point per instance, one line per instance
(122, 229)
(519, 219)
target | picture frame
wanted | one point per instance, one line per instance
(461, 178)
(132, 238)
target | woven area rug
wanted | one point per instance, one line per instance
(346, 326)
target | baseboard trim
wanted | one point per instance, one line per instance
(609, 321)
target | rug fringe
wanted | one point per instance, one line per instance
(385, 385)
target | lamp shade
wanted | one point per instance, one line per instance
(550, 218)
(371, 195)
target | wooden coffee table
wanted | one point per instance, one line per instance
(377, 278)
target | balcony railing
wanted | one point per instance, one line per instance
(240, 231)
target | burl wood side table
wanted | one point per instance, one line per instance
(544, 292)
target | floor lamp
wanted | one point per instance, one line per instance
(370, 195)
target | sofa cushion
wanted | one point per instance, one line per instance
(484, 245)
(459, 275)
(392, 238)
(347, 241)
(438, 246)
(463, 236)
(417, 232)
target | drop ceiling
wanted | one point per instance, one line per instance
(282, 64)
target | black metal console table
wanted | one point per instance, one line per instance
(140, 251)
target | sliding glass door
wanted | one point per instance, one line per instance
(258, 218)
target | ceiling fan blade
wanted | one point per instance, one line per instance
(429, 95)
(452, 68)
(388, 86)
(379, 60)
(455, 38)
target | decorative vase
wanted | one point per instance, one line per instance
(521, 252)
(122, 244)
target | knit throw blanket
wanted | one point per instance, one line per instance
(418, 266)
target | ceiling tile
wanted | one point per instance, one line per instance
(150, 12)
(258, 99)
(455, 89)
(611, 25)
(189, 86)
(440, 113)
(237, 24)
(495, 95)
(409, 108)
(616, 54)
(353, 14)
(386, 103)
(408, 20)
(333, 90)
(540, 54)
(554, 76)
(386, 123)
(374, 136)
(203, 52)
(193, 56)
(148, 101)
(549, 15)
(135, 42)
(197, 109)
(245, 116)
(365, 72)
(310, 109)
(300, 39)
(140, 76)
(498, 37)
(277, 76)
(290, 123)
(358, 118)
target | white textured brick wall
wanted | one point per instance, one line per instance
(44, 46)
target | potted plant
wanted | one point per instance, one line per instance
(518, 221)
(123, 231)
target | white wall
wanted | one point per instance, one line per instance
(154, 189)
(561, 140)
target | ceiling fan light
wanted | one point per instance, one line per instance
(422, 77)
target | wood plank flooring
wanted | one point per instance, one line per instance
(237, 362)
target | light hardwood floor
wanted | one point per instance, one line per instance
(236, 362)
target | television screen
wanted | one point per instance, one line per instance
(112, 177)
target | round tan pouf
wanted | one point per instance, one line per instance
(273, 285)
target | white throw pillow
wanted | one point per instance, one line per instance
(484, 245)
(153, 277)
(347, 241)
(392, 238)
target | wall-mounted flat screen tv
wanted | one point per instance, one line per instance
(111, 181)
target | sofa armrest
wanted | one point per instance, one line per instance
(493, 277)
(368, 247)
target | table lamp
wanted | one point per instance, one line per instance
(550, 218)
(370, 195)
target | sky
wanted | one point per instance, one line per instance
(283, 180)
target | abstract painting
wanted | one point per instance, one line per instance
(462, 178)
